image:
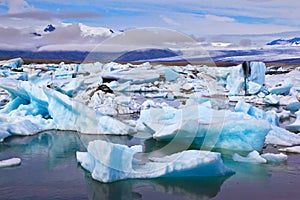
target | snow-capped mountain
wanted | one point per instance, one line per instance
(94, 31)
(286, 42)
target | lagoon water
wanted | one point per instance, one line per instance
(49, 171)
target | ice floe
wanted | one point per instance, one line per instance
(10, 162)
(252, 157)
(255, 157)
(295, 149)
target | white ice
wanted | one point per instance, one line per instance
(280, 136)
(295, 149)
(252, 157)
(255, 157)
(10, 162)
(275, 158)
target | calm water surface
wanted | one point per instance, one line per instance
(49, 171)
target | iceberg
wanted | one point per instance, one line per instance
(10, 162)
(283, 89)
(134, 75)
(235, 79)
(34, 109)
(280, 136)
(295, 149)
(12, 63)
(274, 158)
(271, 99)
(170, 75)
(293, 106)
(22, 125)
(205, 127)
(68, 114)
(252, 157)
(257, 113)
(295, 127)
(108, 162)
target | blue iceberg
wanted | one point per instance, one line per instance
(108, 162)
(205, 127)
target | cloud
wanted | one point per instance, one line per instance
(46, 15)
(219, 18)
(16, 6)
(169, 20)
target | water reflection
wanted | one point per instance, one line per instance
(163, 188)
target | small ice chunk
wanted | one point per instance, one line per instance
(280, 136)
(274, 158)
(252, 157)
(293, 106)
(284, 88)
(271, 99)
(170, 75)
(295, 127)
(254, 88)
(295, 149)
(10, 162)
(187, 86)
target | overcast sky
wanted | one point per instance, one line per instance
(189, 16)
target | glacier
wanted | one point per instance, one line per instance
(108, 162)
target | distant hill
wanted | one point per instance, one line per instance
(145, 55)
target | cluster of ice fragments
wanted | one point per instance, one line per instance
(189, 104)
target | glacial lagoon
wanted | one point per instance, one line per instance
(49, 170)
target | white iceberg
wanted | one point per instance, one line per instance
(271, 99)
(280, 136)
(295, 149)
(68, 114)
(10, 162)
(108, 162)
(252, 157)
(274, 158)
(135, 75)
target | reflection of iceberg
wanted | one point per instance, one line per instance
(110, 162)
(191, 188)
